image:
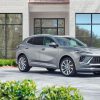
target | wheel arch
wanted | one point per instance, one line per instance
(65, 57)
(20, 55)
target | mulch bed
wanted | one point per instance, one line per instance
(5, 67)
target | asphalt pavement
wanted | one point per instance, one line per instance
(87, 83)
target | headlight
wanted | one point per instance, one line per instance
(85, 59)
(82, 58)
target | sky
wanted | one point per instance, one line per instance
(86, 19)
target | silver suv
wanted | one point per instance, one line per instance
(57, 52)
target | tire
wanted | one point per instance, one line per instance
(51, 69)
(67, 67)
(96, 73)
(23, 64)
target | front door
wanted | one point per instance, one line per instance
(49, 55)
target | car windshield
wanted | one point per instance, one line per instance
(70, 42)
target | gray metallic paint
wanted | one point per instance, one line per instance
(49, 57)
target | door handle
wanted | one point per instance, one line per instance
(43, 49)
(26, 48)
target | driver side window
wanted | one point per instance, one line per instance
(47, 41)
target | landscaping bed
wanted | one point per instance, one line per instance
(7, 62)
(26, 90)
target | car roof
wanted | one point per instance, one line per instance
(51, 35)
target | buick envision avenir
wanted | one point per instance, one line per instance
(57, 52)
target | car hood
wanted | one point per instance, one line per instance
(87, 50)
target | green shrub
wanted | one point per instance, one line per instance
(60, 93)
(24, 90)
(7, 62)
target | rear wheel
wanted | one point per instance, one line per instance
(51, 69)
(67, 67)
(23, 64)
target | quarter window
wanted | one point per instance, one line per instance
(36, 41)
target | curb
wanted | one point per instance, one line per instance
(7, 67)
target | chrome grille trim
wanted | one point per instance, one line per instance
(95, 60)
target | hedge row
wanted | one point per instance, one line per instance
(7, 62)
(26, 90)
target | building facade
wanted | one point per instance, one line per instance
(22, 18)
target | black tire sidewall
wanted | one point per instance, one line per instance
(27, 68)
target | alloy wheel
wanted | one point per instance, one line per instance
(67, 67)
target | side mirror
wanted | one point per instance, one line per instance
(53, 44)
(85, 45)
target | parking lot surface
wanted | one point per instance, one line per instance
(87, 83)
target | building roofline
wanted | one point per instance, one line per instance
(48, 1)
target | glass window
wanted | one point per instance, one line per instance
(49, 31)
(49, 23)
(70, 42)
(38, 40)
(14, 19)
(30, 41)
(60, 31)
(83, 18)
(96, 30)
(61, 23)
(47, 41)
(88, 28)
(37, 23)
(83, 30)
(54, 26)
(96, 18)
(37, 30)
(96, 35)
(2, 18)
(83, 33)
(2, 41)
(14, 37)
(10, 33)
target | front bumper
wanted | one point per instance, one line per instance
(90, 65)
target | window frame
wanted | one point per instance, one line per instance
(90, 24)
(6, 25)
(33, 40)
(57, 28)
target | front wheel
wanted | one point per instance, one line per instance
(23, 64)
(67, 67)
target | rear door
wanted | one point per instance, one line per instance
(33, 51)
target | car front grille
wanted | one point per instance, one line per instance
(95, 60)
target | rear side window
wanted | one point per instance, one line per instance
(36, 41)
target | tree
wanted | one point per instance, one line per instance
(85, 36)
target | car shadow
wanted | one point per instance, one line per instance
(55, 73)
(59, 74)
